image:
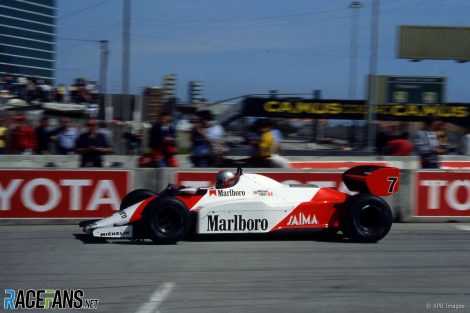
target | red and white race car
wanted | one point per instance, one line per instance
(253, 203)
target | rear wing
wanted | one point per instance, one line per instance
(377, 180)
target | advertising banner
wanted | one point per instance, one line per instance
(458, 113)
(62, 193)
(442, 194)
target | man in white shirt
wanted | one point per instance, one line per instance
(427, 144)
(66, 137)
(465, 150)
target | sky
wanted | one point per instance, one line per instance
(239, 47)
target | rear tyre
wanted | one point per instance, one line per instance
(136, 196)
(366, 218)
(168, 220)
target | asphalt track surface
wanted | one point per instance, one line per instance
(416, 266)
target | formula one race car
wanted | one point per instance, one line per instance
(252, 203)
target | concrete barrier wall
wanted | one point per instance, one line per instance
(129, 161)
(62, 161)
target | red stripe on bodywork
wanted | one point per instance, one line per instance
(190, 201)
(137, 215)
(321, 209)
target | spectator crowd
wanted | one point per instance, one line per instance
(93, 139)
(32, 89)
(429, 143)
(22, 138)
(209, 143)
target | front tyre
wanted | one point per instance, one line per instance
(136, 196)
(168, 220)
(366, 218)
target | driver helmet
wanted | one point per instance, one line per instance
(225, 179)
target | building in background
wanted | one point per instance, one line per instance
(196, 91)
(169, 87)
(27, 38)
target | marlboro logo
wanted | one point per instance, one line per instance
(237, 223)
(226, 193)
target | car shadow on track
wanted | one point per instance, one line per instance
(279, 236)
(86, 238)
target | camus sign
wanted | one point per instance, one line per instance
(442, 194)
(353, 109)
(61, 194)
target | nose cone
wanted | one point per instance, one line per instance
(87, 225)
(105, 222)
(90, 227)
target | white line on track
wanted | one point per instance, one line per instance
(156, 298)
(463, 227)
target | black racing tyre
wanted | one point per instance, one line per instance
(168, 220)
(365, 218)
(136, 196)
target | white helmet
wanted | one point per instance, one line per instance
(225, 179)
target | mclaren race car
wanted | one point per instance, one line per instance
(253, 203)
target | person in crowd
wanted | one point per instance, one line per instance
(73, 92)
(66, 137)
(465, 145)
(277, 137)
(60, 93)
(263, 143)
(9, 83)
(251, 139)
(384, 136)
(146, 159)
(381, 141)
(266, 143)
(442, 135)
(45, 90)
(43, 136)
(31, 89)
(401, 146)
(104, 129)
(200, 146)
(427, 144)
(3, 136)
(133, 141)
(22, 87)
(215, 135)
(277, 160)
(82, 95)
(207, 135)
(163, 141)
(91, 146)
(23, 138)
